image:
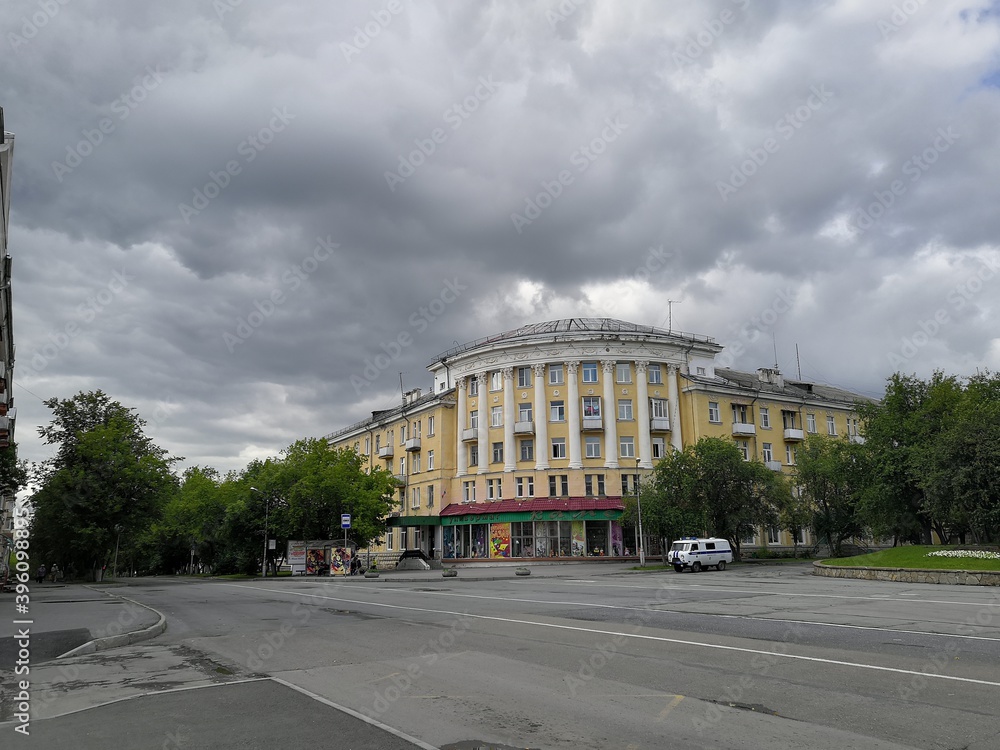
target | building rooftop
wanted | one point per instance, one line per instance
(772, 382)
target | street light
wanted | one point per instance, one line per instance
(114, 568)
(266, 506)
(638, 505)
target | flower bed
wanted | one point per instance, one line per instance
(976, 554)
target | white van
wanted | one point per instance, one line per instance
(697, 553)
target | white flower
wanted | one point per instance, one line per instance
(973, 553)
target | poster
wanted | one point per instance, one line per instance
(578, 530)
(315, 561)
(616, 539)
(499, 540)
(448, 539)
(340, 561)
(297, 557)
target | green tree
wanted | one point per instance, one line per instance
(829, 473)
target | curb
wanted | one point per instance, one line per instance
(910, 575)
(124, 639)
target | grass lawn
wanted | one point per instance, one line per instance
(915, 557)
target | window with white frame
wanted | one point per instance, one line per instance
(525, 486)
(496, 380)
(788, 420)
(765, 418)
(378, 442)
(714, 415)
(430, 460)
(527, 450)
(473, 387)
(625, 409)
(626, 446)
(474, 455)
(659, 447)
(496, 416)
(740, 414)
(402, 433)
(790, 455)
(498, 453)
(524, 379)
(744, 447)
(557, 411)
(748, 537)
(589, 372)
(493, 489)
(591, 406)
(416, 429)
(416, 463)
(402, 466)
(623, 372)
(389, 540)
(773, 535)
(767, 453)
(430, 426)
(811, 423)
(524, 412)
(658, 408)
(430, 496)
(474, 419)
(556, 375)
(654, 374)
(831, 425)
(469, 492)
(368, 445)
(414, 497)
(558, 447)
(593, 446)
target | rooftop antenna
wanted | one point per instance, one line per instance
(774, 344)
(798, 365)
(670, 314)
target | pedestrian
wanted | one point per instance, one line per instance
(40, 573)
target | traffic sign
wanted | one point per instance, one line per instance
(345, 520)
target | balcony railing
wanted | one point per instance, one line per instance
(773, 465)
(470, 434)
(593, 423)
(744, 428)
(659, 424)
(413, 444)
(385, 451)
(858, 439)
(524, 428)
(791, 433)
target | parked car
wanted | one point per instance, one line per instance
(699, 553)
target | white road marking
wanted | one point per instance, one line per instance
(638, 636)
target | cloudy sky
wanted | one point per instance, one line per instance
(224, 212)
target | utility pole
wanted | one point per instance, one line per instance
(266, 508)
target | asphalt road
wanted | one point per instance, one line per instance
(765, 658)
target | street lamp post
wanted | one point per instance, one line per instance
(266, 507)
(638, 505)
(114, 568)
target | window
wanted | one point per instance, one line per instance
(831, 425)
(493, 490)
(555, 374)
(589, 372)
(593, 444)
(594, 484)
(767, 452)
(557, 411)
(744, 446)
(522, 539)
(496, 380)
(498, 453)
(773, 535)
(765, 418)
(430, 496)
(402, 433)
(811, 423)
(416, 429)
(591, 406)
(630, 484)
(474, 419)
(524, 379)
(368, 444)
(558, 485)
(658, 408)
(740, 414)
(790, 455)
(625, 409)
(527, 450)
(852, 426)
(402, 466)
(524, 413)
(416, 463)
(654, 374)
(415, 497)
(389, 437)
(430, 426)
(659, 447)
(713, 412)
(473, 387)
(626, 446)
(388, 540)
(748, 537)
(525, 486)
(623, 373)
(559, 447)
(474, 455)
(788, 420)
(378, 442)
(496, 416)
(430, 460)
(699, 371)
(469, 492)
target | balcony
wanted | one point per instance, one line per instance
(744, 428)
(400, 479)
(470, 434)
(659, 424)
(792, 433)
(593, 423)
(773, 465)
(413, 444)
(858, 439)
(524, 428)
(385, 451)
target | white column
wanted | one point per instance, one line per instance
(676, 439)
(484, 423)
(645, 446)
(541, 420)
(461, 457)
(573, 402)
(610, 416)
(509, 459)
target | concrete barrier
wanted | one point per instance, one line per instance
(910, 575)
